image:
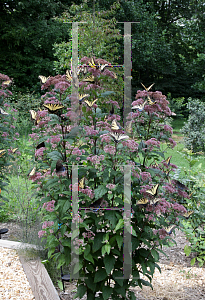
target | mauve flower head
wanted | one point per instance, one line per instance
(110, 149)
(41, 233)
(105, 138)
(146, 176)
(168, 128)
(172, 142)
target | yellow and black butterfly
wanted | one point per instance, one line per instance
(43, 79)
(41, 145)
(14, 150)
(118, 137)
(34, 118)
(110, 114)
(68, 75)
(2, 112)
(7, 82)
(169, 229)
(143, 201)
(82, 97)
(153, 191)
(59, 167)
(147, 89)
(115, 126)
(155, 201)
(167, 161)
(140, 107)
(83, 70)
(53, 107)
(2, 152)
(89, 103)
(155, 165)
(188, 214)
(82, 183)
(128, 128)
(150, 101)
(32, 172)
(90, 79)
(102, 67)
(180, 185)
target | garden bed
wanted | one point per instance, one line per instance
(178, 279)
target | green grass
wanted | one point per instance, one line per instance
(177, 124)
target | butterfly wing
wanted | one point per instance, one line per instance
(140, 107)
(128, 128)
(169, 229)
(188, 214)
(150, 101)
(33, 171)
(41, 145)
(68, 75)
(147, 89)
(82, 97)
(180, 185)
(153, 191)
(14, 150)
(90, 79)
(7, 82)
(168, 160)
(155, 201)
(53, 107)
(59, 167)
(90, 104)
(115, 126)
(43, 79)
(82, 183)
(2, 112)
(2, 152)
(143, 201)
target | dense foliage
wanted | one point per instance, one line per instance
(85, 137)
(193, 129)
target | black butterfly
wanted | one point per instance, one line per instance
(97, 204)
(41, 145)
(180, 185)
(59, 167)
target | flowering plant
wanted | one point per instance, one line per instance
(85, 137)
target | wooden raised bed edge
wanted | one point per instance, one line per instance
(36, 273)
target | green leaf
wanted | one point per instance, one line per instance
(55, 155)
(116, 275)
(119, 225)
(106, 292)
(100, 275)
(90, 282)
(193, 261)
(155, 254)
(60, 284)
(98, 241)
(187, 250)
(100, 191)
(119, 240)
(109, 262)
(81, 290)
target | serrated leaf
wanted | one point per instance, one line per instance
(107, 93)
(155, 254)
(81, 290)
(119, 240)
(55, 155)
